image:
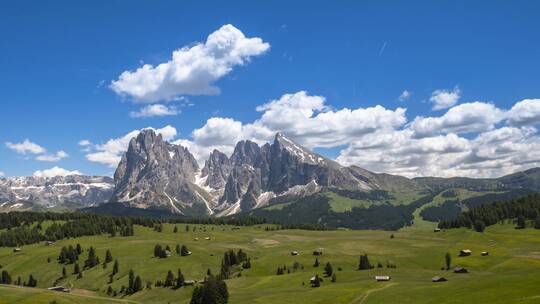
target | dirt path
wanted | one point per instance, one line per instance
(80, 293)
(363, 297)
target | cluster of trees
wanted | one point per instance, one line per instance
(69, 254)
(171, 280)
(160, 252)
(5, 278)
(230, 259)
(182, 250)
(525, 208)
(213, 291)
(20, 230)
(92, 260)
(134, 283)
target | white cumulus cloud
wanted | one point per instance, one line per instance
(154, 110)
(55, 171)
(405, 95)
(463, 118)
(26, 146)
(525, 112)
(52, 157)
(84, 142)
(443, 99)
(191, 70)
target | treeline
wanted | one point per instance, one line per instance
(525, 208)
(74, 225)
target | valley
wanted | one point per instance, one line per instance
(418, 254)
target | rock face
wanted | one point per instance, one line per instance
(258, 174)
(156, 174)
(55, 191)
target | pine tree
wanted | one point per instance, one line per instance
(79, 248)
(108, 257)
(316, 281)
(184, 251)
(328, 270)
(158, 251)
(175, 230)
(448, 260)
(131, 282)
(76, 268)
(92, 259)
(5, 277)
(520, 222)
(137, 285)
(169, 280)
(177, 249)
(64, 272)
(179, 279)
(479, 226)
(364, 263)
(334, 278)
(316, 264)
(116, 267)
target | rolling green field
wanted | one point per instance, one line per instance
(510, 274)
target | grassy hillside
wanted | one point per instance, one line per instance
(508, 275)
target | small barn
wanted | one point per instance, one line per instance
(167, 253)
(313, 279)
(317, 252)
(49, 243)
(465, 252)
(437, 230)
(59, 289)
(189, 282)
(460, 269)
(438, 279)
(196, 239)
(294, 252)
(207, 238)
(382, 278)
(484, 253)
(17, 249)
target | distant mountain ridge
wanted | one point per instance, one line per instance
(29, 192)
(281, 180)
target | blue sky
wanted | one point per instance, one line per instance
(60, 58)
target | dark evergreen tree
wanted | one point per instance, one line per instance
(316, 264)
(169, 280)
(328, 270)
(137, 285)
(184, 251)
(131, 282)
(179, 279)
(177, 249)
(316, 282)
(108, 257)
(64, 272)
(334, 278)
(520, 222)
(175, 230)
(364, 263)
(448, 260)
(92, 259)
(479, 226)
(116, 267)
(76, 269)
(32, 282)
(5, 277)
